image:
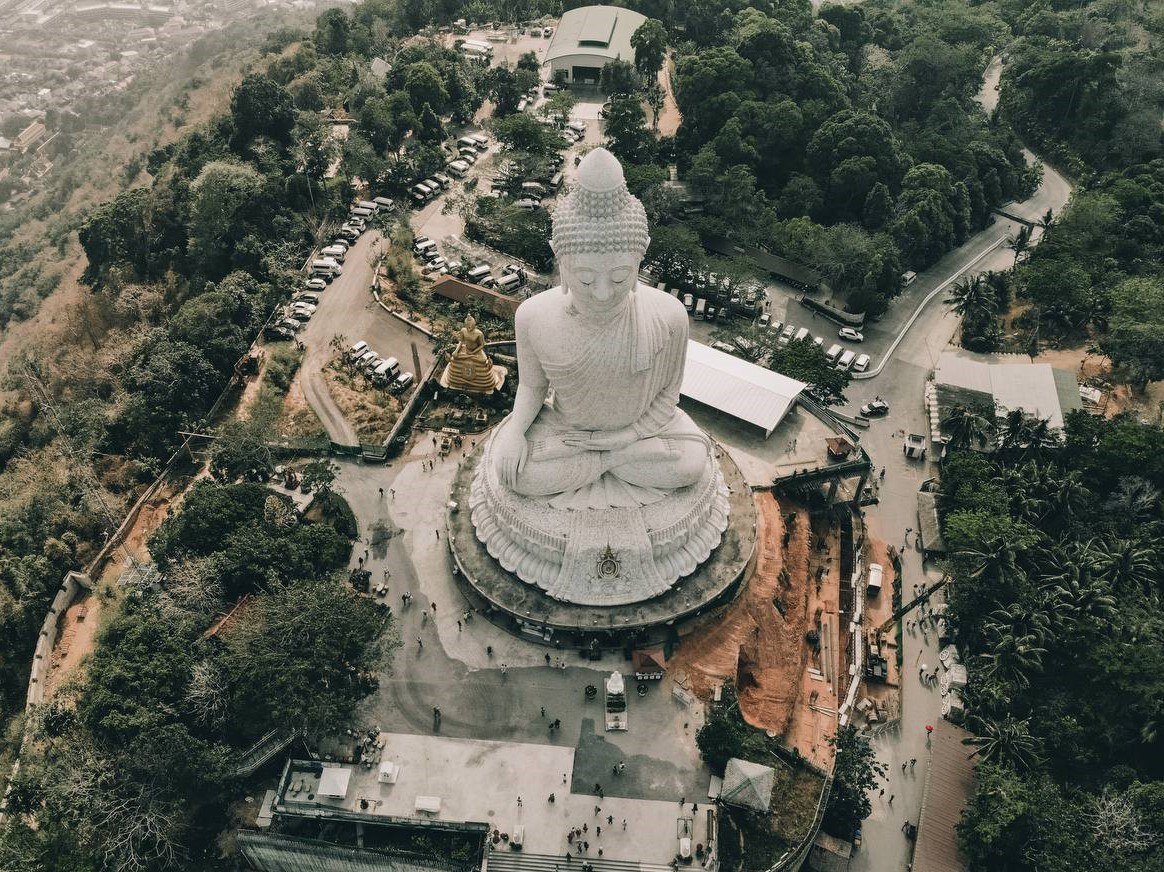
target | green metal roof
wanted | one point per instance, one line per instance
(601, 31)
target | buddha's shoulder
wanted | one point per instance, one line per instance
(662, 304)
(539, 305)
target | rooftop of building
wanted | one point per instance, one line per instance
(595, 30)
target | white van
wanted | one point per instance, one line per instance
(481, 141)
(801, 335)
(689, 303)
(579, 127)
(846, 360)
(833, 353)
(861, 363)
(478, 272)
(876, 572)
(326, 266)
(369, 204)
(457, 168)
(356, 350)
(361, 212)
(366, 358)
(533, 189)
(700, 308)
(425, 249)
(336, 252)
(383, 202)
(388, 369)
(467, 142)
(508, 282)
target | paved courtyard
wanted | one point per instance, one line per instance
(508, 785)
(451, 666)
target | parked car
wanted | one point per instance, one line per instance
(402, 382)
(277, 333)
(292, 324)
(875, 408)
(315, 284)
(914, 446)
(304, 297)
(861, 363)
(356, 350)
(852, 334)
(765, 320)
(527, 204)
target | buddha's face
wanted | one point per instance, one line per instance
(599, 283)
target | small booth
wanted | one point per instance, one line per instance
(648, 665)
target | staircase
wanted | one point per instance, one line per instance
(505, 860)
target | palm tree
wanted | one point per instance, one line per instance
(1018, 620)
(1046, 221)
(1025, 434)
(1020, 242)
(1014, 658)
(994, 561)
(1126, 564)
(973, 298)
(1008, 742)
(1135, 500)
(964, 427)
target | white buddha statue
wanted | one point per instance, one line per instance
(595, 431)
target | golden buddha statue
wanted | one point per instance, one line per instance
(470, 369)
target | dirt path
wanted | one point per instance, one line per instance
(669, 118)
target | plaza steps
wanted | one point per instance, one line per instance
(505, 860)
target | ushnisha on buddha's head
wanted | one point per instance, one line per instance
(599, 236)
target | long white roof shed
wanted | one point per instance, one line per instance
(738, 387)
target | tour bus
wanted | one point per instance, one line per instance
(556, 180)
(478, 272)
(846, 360)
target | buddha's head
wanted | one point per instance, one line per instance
(470, 322)
(600, 236)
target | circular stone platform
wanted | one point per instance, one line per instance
(536, 613)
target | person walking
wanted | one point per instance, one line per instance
(624, 825)
(519, 802)
(419, 643)
(391, 493)
(458, 626)
(543, 711)
(381, 493)
(912, 761)
(891, 799)
(610, 819)
(598, 831)
(551, 798)
(597, 811)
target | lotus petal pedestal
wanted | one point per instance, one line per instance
(599, 557)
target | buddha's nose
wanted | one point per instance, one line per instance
(602, 290)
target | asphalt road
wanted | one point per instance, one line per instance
(884, 846)
(348, 309)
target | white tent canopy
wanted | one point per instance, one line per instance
(748, 784)
(738, 387)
